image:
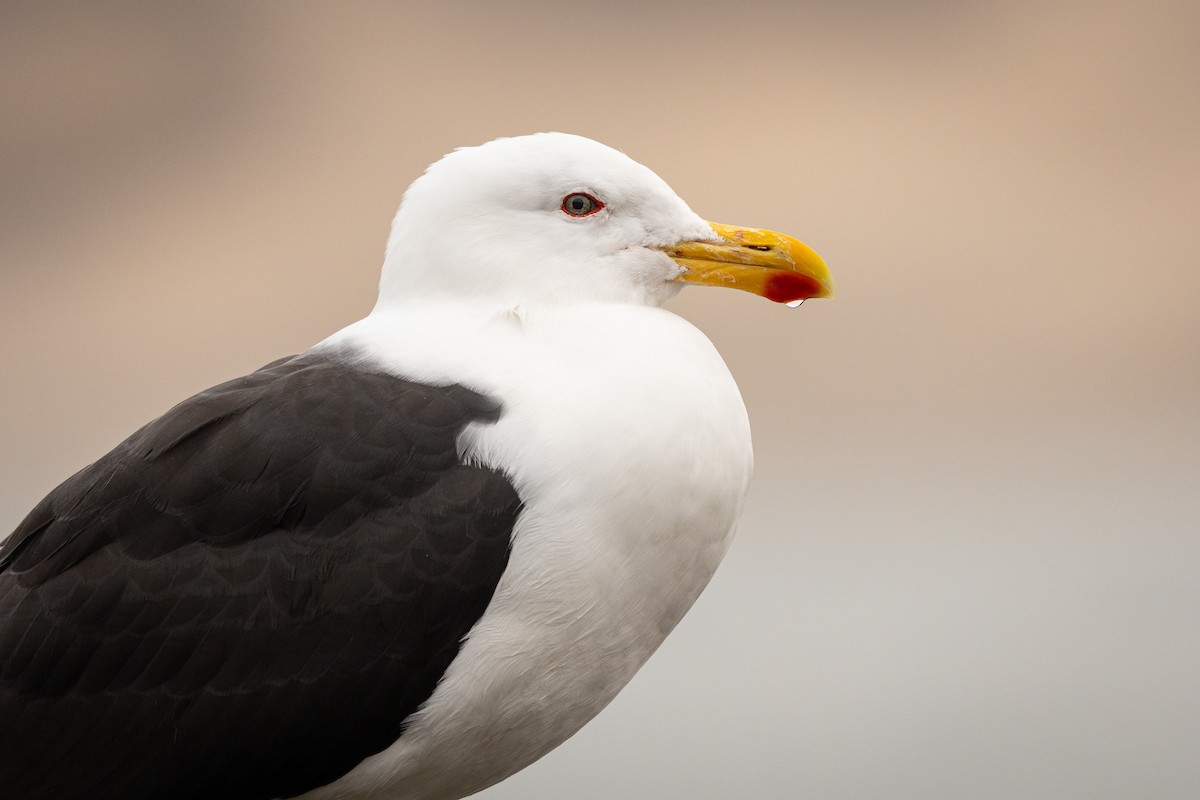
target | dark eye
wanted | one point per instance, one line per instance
(581, 204)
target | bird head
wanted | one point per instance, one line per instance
(559, 218)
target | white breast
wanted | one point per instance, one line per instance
(629, 443)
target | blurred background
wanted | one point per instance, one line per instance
(970, 563)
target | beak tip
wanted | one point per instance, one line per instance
(787, 287)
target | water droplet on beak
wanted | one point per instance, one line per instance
(795, 304)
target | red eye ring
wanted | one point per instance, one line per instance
(581, 204)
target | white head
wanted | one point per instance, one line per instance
(490, 221)
(549, 217)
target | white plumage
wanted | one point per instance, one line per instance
(622, 429)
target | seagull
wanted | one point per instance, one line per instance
(413, 559)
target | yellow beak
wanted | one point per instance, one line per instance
(766, 263)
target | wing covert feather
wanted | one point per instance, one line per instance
(250, 594)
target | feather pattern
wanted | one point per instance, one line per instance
(251, 593)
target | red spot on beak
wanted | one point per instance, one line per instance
(785, 287)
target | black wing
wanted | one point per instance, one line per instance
(250, 594)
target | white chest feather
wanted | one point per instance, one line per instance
(628, 441)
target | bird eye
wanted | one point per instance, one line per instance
(581, 204)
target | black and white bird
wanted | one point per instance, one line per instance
(415, 558)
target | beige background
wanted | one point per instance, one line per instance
(970, 565)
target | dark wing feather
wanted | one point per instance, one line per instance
(250, 594)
